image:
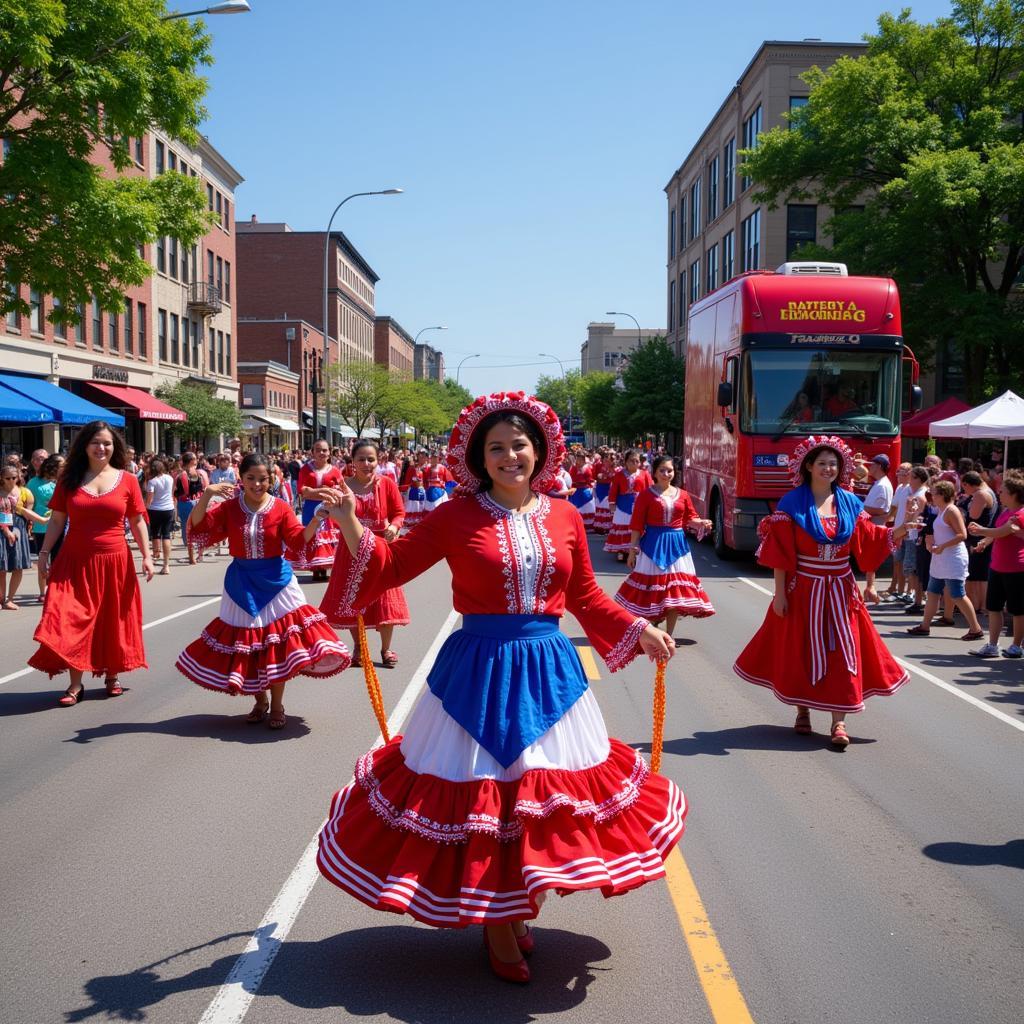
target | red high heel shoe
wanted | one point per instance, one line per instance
(71, 698)
(525, 942)
(518, 973)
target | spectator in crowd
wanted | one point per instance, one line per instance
(980, 506)
(189, 484)
(899, 587)
(916, 576)
(160, 505)
(878, 505)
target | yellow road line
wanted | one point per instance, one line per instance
(716, 978)
(589, 664)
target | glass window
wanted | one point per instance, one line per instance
(801, 227)
(729, 177)
(186, 357)
(161, 254)
(252, 394)
(129, 328)
(218, 199)
(138, 151)
(142, 330)
(713, 190)
(172, 257)
(671, 305)
(220, 275)
(97, 325)
(227, 214)
(728, 256)
(59, 328)
(751, 239)
(195, 344)
(35, 316)
(161, 333)
(751, 130)
(175, 339)
(795, 103)
(184, 168)
(159, 157)
(682, 300)
(695, 209)
(711, 269)
(209, 266)
(227, 352)
(694, 281)
(811, 390)
(13, 317)
(172, 160)
(671, 234)
(227, 281)
(112, 332)
(682, 220)
(80, 326)
(212, 367)
(209, 197)
(220, 351)
(184, 264)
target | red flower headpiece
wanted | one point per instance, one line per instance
(837, 444)
(518, 401)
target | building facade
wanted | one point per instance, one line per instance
(715, 229)
(270, 397)
(428, 363)
(607, 347)
(393, 347)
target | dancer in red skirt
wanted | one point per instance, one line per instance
(435, 484)
(414, 494)
(314, 476)
(92, 618)
(627, 483)
(265, 633)
(818, 647)
(582, 496)
(663, 583)
(379, 509)
(506, 785)
(604, 469)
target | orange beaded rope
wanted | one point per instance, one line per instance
(658, 735)
(372, 682)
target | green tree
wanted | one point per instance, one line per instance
(596, 402)
(557, 391)
(919, 145)
(425, 411)
(359, 392)
(78, 79)
(207, 416)
(651, 401)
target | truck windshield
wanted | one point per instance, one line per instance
(807, 391)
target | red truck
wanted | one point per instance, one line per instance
(773, 356)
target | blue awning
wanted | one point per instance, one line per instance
(15, 408)
(63, 405)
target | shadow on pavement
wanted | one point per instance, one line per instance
(412, 974)
(226, 728)
(1010, 854)
(747, 737)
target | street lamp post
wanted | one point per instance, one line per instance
(327, 353)
(476, 355)
(639, 339)
(227, 7)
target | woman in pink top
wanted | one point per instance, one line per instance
(1006, 570)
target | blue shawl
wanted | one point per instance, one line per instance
(800, 507)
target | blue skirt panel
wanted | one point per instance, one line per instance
(664, 545)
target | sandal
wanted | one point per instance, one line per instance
(802, 724)
(388, 659)
(10, 606)
(976, 634)
(946, 622)
(72, 697)
(838, 736)
(114, 688)
(919, 631)
(277, 720)
(258, 713)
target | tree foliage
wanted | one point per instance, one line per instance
(557, 391)
(79, 79)
(651, 400)
(925, 134)
(596, 401)
(207, 416)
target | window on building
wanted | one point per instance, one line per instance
(695, 209)
(612, 360)
(161, 254)
(711, 269)
(13, 317)
(220, 352)
(227, 281)
(138, 151)
(113, 342)
(186, 356)
(212, 362)
(671, 305)
(161, 333)
(750, 239)
(59, 327)
(218, 200)
(172, 160)
(682, 220)
(252, 394)
(729, 177)
(220, 275)
(694, 281)
(227, 353)
(728, 256)
(175, 338)
(172, 257)
(97, 325)
(671, 234)
(80, 325)
(35, 316)
(129, 328)
(184, 168)
(209, 197)
(142, 330)
(209, 267)
(195, 344)
(159, 157)
(227, 214)
(751, 130)
(184, 265)
(713, 190)
(801, 227)
(795, 104)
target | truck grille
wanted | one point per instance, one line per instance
(774, 480)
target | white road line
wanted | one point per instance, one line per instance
(927, 676)
(232, 1001)
(148, 625)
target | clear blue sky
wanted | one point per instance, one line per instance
(533, 140)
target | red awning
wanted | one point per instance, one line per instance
(918, 424)
(142, 403)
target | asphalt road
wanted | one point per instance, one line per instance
(146, 839)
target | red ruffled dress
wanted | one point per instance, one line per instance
(583, 494)
(265, 632)
(825, 653)
(621, 498)
(505, 785)
(319, 552)
(414, 496)
(92, 619)
(378, 509)
(602, 486)
(663, 579)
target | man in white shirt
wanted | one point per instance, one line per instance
(877, 504)
(899, 507)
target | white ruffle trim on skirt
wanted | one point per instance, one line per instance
(435, 744)
(682, 565)
(286, 601)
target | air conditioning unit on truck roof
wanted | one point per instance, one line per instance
(818, 269)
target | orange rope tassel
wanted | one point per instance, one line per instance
(372, 682)
(658, 735)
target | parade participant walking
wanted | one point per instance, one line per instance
(265, 633)
(662, 583)
(948, 570)
(189, 485)
(160, 504)
(582, 496)
(314, 476)
(92, 618)
(818, 647)
(627, 483)
(414, 494)
(379, 508)
(505, 785)
(604, 469)
(435, 481)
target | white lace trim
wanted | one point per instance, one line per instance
(625, 650)
(269, 639)
(357, 571)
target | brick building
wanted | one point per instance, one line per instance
(428, 363)
(393, 347)
(270, 398)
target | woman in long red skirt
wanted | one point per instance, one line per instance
(92, 618)
(818, 647)
(379, 508)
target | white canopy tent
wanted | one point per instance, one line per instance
(1002, 419)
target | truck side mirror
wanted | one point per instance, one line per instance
(725, 393)
(916, 397)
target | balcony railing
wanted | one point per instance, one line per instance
(204, 298)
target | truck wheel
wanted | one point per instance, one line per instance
(722, 550)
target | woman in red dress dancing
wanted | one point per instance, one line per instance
(92, 618)
(379, 509)
(314, 476)
(818, 647)
(629, 480)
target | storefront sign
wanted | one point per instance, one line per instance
(109, 373)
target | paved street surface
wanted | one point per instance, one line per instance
(148, 840)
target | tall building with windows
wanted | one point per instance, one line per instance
(607, 348)
(715, 230)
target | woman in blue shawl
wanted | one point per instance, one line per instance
(817, 647)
